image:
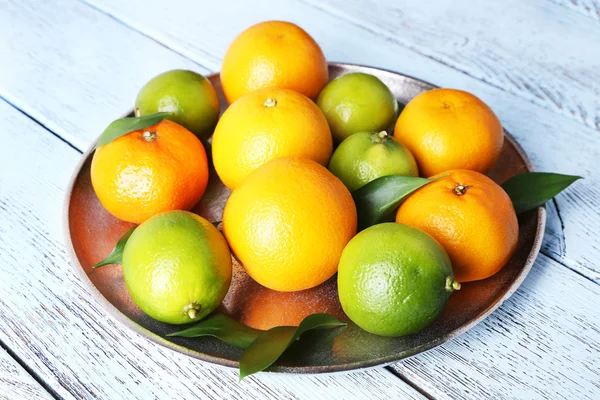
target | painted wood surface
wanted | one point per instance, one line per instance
(49, 321)
(75, 68)
(100, 93)
(16, 383)
(590, 8)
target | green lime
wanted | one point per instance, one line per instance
(365, 156)
(189, 96)
(177, 267)
(394, 280)
(357, 102)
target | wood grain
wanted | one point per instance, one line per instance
(53, 325)
(50, 93)
(590, 8)
(16, 383)
(75, 68)
(533, 49)
(543, 343)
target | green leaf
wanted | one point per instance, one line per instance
(123, 126)
(533, 189)
(222, 327)
(377, 200)
(216, 223)
(115, 256)
(271, 344)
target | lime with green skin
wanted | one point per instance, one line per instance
(394, 280)
(177, 267)
(188, 96)
(365, 156)
(357, 102)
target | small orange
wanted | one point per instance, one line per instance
(268, 124)
(273, 54)
(450, 129)
(471, 216)
(262, 308)
(288, 223)
(146, 172)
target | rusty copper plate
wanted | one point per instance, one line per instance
(91, 233)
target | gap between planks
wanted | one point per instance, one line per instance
(30, 371)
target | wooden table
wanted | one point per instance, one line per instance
(70, 67)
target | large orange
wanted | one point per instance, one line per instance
(288, 223)
(471, 216)
(273, 54)
(450, 129)
(146, 172)
(268, 124)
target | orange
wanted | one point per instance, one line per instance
(268, 124)
(273, 54)
(471, 216)
(288, 223)
(450, 129)
(146, 172)
(263, 308)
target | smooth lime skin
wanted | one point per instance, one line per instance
(357, 102)
(392, 279)
(365, 156)
(175, 261)
(189, 96)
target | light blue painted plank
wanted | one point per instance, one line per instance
(534, 49)
(590, 8)
(16, 383)
(553, 351)
(73, 69)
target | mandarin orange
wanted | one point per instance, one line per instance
(288, 223)
(450, 129)
(273, 54)
(471, 216)
(267, 124)
(145, 172)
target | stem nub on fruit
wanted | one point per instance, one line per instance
(452, 284)
(270, 102)
(380, 137)
(192, 310)
(149, 136)
(460, 189)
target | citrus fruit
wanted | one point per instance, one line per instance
(187, 95)
(177, 267)
(273, 54)
(263, 308)
(450, 129)
(288, 223)
(471, 216)
(149, 171)
(394, 280)
(357, 102)
(264, 125)
(365, 156)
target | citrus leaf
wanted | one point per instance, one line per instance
(533, 189)
(377, 200)
(115, 256)
(271, 344)
(123, 126)
(222, 327)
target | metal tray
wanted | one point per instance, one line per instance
(91, 233)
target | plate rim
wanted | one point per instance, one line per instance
(220, 362)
